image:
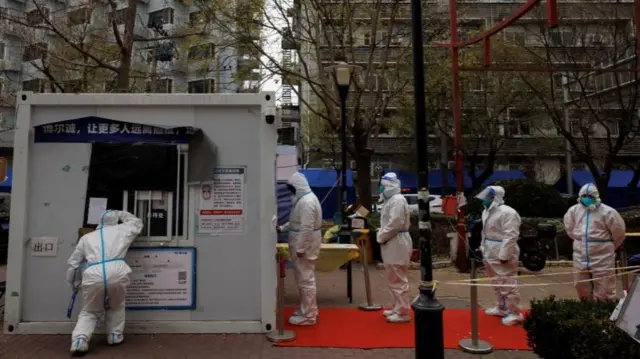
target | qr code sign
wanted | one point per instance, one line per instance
(182, 276)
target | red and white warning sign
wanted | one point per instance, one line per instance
(222, 202)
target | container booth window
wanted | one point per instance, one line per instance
(141, 169)
(148, 180)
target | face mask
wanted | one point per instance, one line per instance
(487, 202)
(587, 201)
(291, 189)
(381, 189)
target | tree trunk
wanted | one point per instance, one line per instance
(477, 181)
(632, 187)
(363, 186)
(124, 69)
(602, 182)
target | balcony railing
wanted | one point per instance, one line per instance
(393, 54)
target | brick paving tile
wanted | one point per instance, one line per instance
(331, 292)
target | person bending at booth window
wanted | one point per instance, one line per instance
(597, 231)
(396, 246)
(305, 239)
(500, 251)
(103, 250)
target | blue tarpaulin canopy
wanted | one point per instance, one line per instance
(323, 183)
(320, 177)
(5, 186)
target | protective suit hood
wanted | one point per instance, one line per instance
(590, 189)
(391, 185)
(498, 193)
(300, 183)
(108, 218)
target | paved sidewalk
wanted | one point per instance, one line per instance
(331, 292)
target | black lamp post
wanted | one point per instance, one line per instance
(429, 333)
(342, 73)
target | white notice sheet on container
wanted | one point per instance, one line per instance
(162, 278)
(222, 203)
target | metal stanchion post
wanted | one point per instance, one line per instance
(369, 306)
(622, 253)
(474, 345)
(279, 335)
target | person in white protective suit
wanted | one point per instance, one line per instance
(105, 278)
(500, 253)
(597, 231)
(305, 239)
(395, 246)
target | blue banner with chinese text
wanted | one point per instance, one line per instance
(97, 129)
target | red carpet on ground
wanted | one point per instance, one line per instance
(353, 328)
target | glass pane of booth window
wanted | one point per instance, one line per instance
(152, 208)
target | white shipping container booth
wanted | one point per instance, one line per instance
(199, 170)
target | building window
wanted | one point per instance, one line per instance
(515, 37)
(517, 123)
(196, 18)
(34, 52)
(613, 127)
(200, 52)
(367, 39)
(202, 86)
(334, 38)
(161, 86)
(382, 37)
(72, 86)
(558, 81)
(119, 16)
(37, 16)
(160, 17)
(472, 83)
(80, 16)
(35, 85)
(369, 82)
(2, 50)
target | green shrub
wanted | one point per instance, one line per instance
(568, 329)
(533, 199)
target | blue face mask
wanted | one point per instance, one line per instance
(587, 201)
(487, 202)
(381, 189)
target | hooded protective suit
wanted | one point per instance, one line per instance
(597, 230)
(103, 250)
(396, 246)
(305, 239)
(500, 251)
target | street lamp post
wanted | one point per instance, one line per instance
(343, 73)
(428, 324)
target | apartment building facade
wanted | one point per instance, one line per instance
(584, 32)
(177, 49)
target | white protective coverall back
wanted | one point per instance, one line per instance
(597, 231)
(305, 239)
(500, 251)
(103, 250)
(395, 245)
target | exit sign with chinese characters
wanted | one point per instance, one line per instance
(98, 129)
(44, 246)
